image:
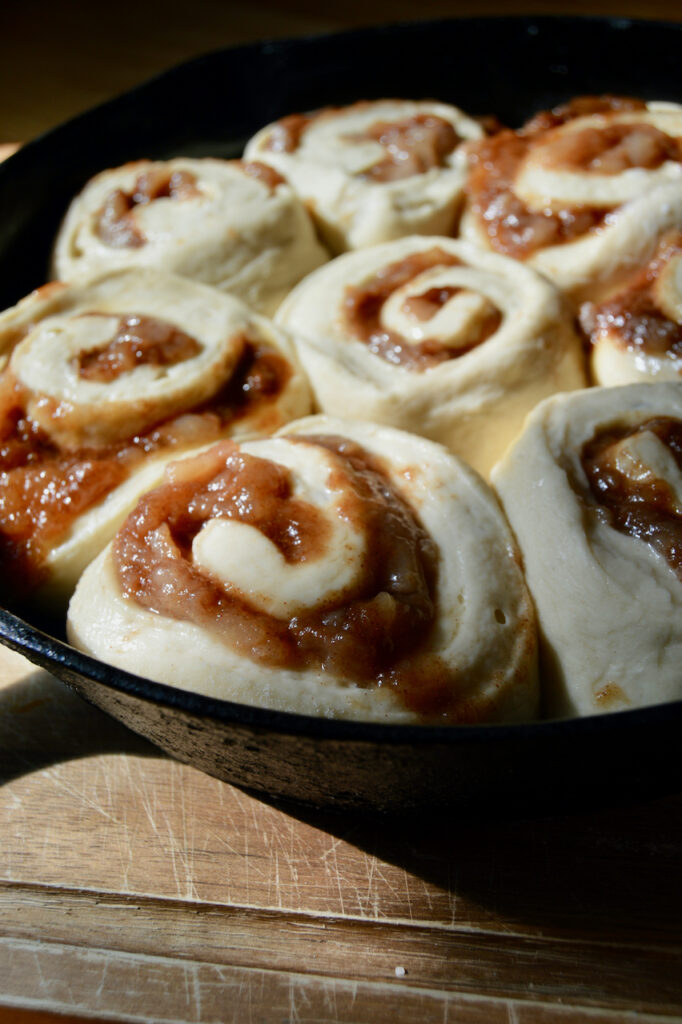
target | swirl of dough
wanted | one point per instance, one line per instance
(235, 225)
(104, 380)
(636, 334)
(338, 569)
(593, 491)
(434, 336)
(375, 170)
(552, 193)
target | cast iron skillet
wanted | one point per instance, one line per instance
(507, 66)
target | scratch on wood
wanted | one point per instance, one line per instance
(55, 774)
(512, 1014)
(336, 873)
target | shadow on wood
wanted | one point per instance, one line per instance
(42, 722)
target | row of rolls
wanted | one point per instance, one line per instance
(382, 421)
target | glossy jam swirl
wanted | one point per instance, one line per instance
(631, 498)
(611, 149)
(425, 306)
(115, 224)
(364, 306)
(511, 226)
(44, 489)
(580, 106)
(139, 340)
(412, 146)
(371, 631)
(287, 133)
(634, 318)
(267, 175)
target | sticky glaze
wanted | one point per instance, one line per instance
(364, 307)
(645, 508)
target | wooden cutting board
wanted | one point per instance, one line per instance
(133, 887)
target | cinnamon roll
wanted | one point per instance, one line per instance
(375, 170)
(636, 333)
(232, 224)
(593, 491)
(434, 336)
(103, 381)
(336, 569)
(554, 193)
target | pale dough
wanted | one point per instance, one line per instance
(331, 165)
(229, 228)
(484, 627)
(476, 402)
(45, 333)
(609, 606)
(639, 202)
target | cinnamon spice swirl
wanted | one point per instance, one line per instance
(434, 336)
(106, 379)
(232, 224)
(636, 333)
(336, 569)
(553, 194)
(375, 170)
(593, 491)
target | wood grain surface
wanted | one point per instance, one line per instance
(134, 888)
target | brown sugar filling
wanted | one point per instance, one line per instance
(633, 319)
(139, 340)
(514, 229)
(424, 307)
(286, 134)
(644, 509)
(373, 632)
(44, 489)
(412, 146)
(267, 175)
(364, 304)
(115, 224)
(612, 149)
(581, 106)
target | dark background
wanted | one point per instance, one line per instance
(61, 58)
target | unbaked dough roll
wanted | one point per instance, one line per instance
(337, 569)
(636, 333)
(437, 337)
(375, 170)
(104, 380)
(554, 193)
(235, 225)
(593, 491)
